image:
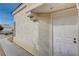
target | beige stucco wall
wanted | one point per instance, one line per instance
(33, 36)
(44, 34)
(26, 31)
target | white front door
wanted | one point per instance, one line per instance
(65, 42)
(65, 34)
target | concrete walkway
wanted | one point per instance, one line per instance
(12, 49)
(2, 53)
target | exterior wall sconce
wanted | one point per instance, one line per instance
(33, 17)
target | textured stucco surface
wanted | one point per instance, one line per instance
(26, 31)
(33, 36)
(44, 34)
